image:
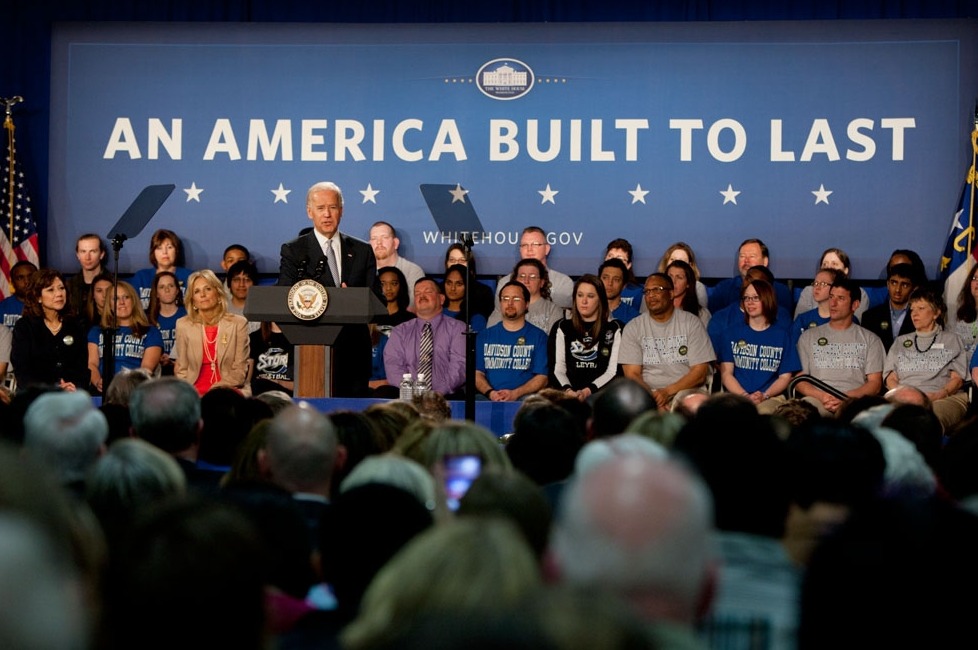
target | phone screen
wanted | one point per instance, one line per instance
(460, 471)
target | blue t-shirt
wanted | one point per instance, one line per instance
(129, 348)
(759, 357)
(168, 328)
(11, 309)
(632, 295)
(625, 312)
(142, 281)
(510, 359)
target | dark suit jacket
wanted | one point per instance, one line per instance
(303, 258)
(877, 320)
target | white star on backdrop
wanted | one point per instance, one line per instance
(729, 195)
(638, 194)
(458, 194)
(193, 193)
(821, 195)
(281, 194)
(370, 194)
(548, 195)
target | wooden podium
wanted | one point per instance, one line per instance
(313, 339)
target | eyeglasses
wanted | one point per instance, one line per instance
(819, 285)
(511, 299)
(751, 299)
(456, 260)
(651, 291)
(532, 244)
(528, 276)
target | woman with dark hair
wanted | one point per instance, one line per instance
(49, 339)
(585, 346)
(391, 286)
(165, 309)
(684, 293)
(95, 305)
(758, 357)
(930, 359)
(455, 287)
(683, 252)
(541, 311)
(964, 321)
(165, 254)
(482, 301)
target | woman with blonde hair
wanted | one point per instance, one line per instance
(212, 344)
(137, 343)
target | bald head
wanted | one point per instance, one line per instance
(639, 526)
(301, 450)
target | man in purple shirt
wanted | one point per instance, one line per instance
(404, 354)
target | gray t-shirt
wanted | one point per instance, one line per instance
(928, 370)
(841, 358)
(561, 288)
(666, 351)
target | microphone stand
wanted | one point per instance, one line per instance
(466, 241)
(109, 333)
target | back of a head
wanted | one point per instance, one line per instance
(873, 580)
(301, 449)
(640, 527)
(227, 417)
(65, 432)
(396, 471)
(462, 438)
(192, 573)
(166, 412)
(920, 426)
(513, 496)
(123, 384)
(742, 460)
(545, 442)
(466, 565)
(617, 404)
(356, 432)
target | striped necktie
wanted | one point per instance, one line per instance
(426, 350)
(331, 262)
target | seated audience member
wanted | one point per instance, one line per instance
(471, 565)
(165, 254)
(879, 295)
(744, 463)
(796, 411)
(752, 252)
(963, 319)
(137, 344)
(758, 358)
(612, 274)
(272, 360)
(392, 287)
(356, 433)
(833, 468)
(546, 439)
(890, 320)
(585, 346)
(920, 426)
(834, 259)
(48, 344)
(930, 359)
(90, 251)
(683, 297)
(385, 243)
(616, 405)
(432, 344)
(640, 529)
(541, 310)
(165, 412)
(932, 542)
(66, 433)
(115, 402)
(733, 315)
(534, 245)
(631, 291)
(165, 309)
(95, 305)
(432, 406)
(212, 344)
(12, 306)
(197, 561)
(455, 288)
(683, 252)
(819, 314)
(511, 356)
(840, 353)
(481, 301)
(463, 438)
(232, 255)
(241, 277)
(666, 349)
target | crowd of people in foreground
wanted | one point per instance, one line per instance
(169, 519)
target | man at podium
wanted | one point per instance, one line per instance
(334, 260)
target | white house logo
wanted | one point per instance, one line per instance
(505, 79)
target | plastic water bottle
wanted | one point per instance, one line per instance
(422, 385)
(406, 387)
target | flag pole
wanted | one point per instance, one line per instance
(972, 179)
(8, 125)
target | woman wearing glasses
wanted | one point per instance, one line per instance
(758, 357)
(585, 345)
(832, 258)
(542, 312)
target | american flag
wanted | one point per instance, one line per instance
(23, 246)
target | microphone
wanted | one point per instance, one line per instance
(301, 274)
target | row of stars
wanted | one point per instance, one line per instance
(547, 195)
(539, 80)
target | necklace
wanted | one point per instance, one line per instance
(210, 351)
(54, 329)
(929, 346)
